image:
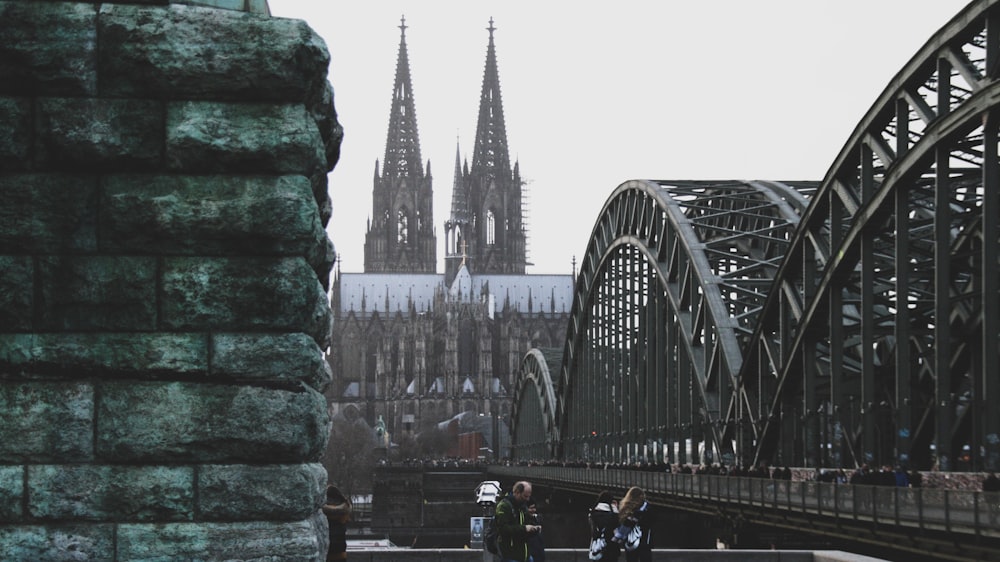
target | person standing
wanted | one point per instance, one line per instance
(635, 518)
(338, 512)
(536, 544)
(513, 525)
(991, 485)
(603, 522)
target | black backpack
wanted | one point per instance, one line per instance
(492, 533)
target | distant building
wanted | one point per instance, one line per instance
(423, 349)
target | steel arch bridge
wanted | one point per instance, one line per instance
(853, 320)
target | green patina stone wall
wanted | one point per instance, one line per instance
(163, 274)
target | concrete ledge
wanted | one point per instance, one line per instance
(580, 555)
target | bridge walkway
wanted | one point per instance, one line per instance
(952, 524)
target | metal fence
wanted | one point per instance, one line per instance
(956, 511)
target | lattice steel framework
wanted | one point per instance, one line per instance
(899, 245)
(535, 433)
(667, 294)
(710, 320)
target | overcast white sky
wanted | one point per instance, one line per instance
(596, 94)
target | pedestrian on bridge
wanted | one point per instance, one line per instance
(991, 485)
(338, 512)
(635, 529)
(536, 543)
(513, 524)
(603, 522)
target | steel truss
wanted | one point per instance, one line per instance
(892, 249)
(534, 432)
(731, 321)
(667, 294)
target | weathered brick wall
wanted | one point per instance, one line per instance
(163, 265)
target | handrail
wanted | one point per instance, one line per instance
(953, 511)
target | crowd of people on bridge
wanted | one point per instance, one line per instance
(882, 476)
(716, 469)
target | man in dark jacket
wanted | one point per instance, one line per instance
(513, 531)
(338, 512)
(536, 543)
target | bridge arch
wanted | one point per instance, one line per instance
(853, 320)
(534, 431)
(900, 244)
(666, 295)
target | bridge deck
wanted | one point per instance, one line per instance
(955, 523)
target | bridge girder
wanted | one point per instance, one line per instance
(853, 320)
(667, 290)
(892, 249)
(534, 431)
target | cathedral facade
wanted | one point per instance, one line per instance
(415, 350)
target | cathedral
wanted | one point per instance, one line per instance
(416, 350)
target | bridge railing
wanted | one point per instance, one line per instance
(960, 511)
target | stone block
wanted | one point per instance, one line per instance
(48, 48)
(114, 293)
(238, 492)
(46, 422)
(17, 274)
(252, 6)
(325, 208)
(189, 52)
(99, 134)
(210, 215)
(15, 114)
(269, 358)
(93, 543)
(265, 540)
(47, 213)
(242, 137)
(323, 264)
(111, 493)
(244, 294)
(324, 112)
(189, 422)
(141, 355)
(11, 493)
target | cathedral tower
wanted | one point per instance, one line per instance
(415, 350)
(400, 236)
(486, 228)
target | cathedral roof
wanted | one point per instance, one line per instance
(461, 285)
(523, 293)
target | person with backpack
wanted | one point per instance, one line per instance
(536, 543)
(603, 521)
(513, 525)
(338, 512)
(635, 526)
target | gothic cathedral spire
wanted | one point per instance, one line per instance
(492, 229)
(491, 157)
(401, 235)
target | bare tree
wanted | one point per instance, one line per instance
(350, 457)
(435, 443)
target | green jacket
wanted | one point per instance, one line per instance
(512, 539)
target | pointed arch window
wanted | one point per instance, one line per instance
(402, 226)
(491, 228)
